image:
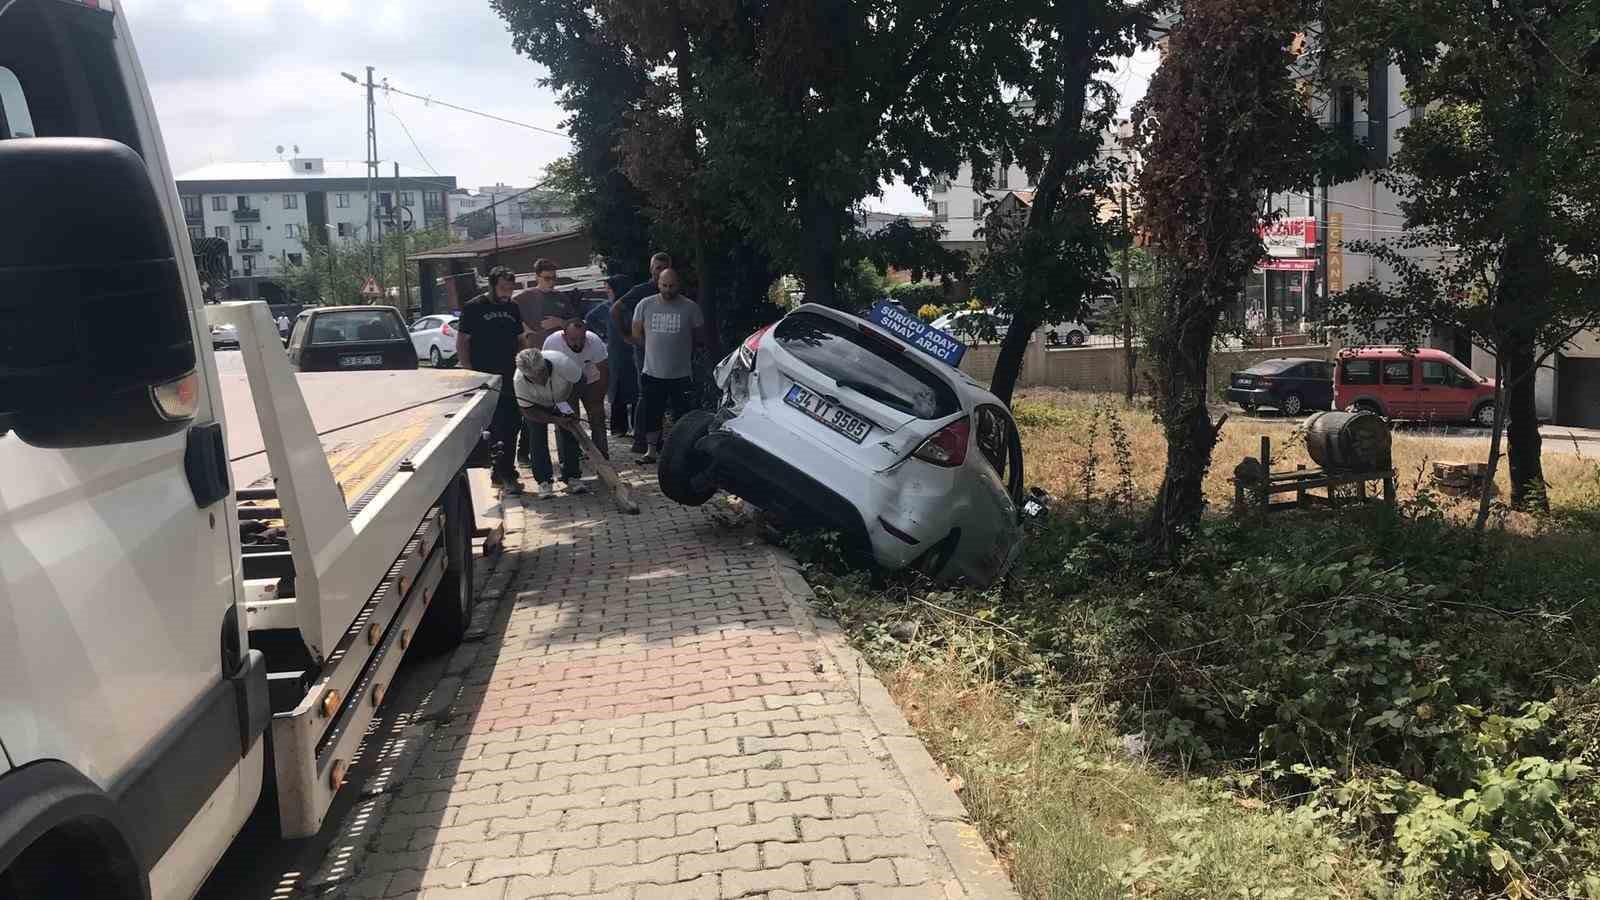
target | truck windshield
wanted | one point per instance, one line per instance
(869, 367)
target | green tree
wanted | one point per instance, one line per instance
(333, 272)
(1049, 267)
(1223, 124)
(479, 223)
(1497, 180)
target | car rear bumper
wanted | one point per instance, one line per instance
(1252, 396)
(781, 477)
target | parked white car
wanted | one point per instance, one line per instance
(828, 420)
(969, 325)
(434, 338)
(224, 337)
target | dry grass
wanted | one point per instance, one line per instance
(1073, 816)
(1056, 426)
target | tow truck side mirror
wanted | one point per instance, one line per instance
(96, 344)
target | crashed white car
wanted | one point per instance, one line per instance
(828, 420)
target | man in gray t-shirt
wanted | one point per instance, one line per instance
(668, 326)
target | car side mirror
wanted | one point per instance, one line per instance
(96, 345)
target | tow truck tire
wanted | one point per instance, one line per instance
(681, 462)
(445, 622)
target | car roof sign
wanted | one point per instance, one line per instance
(940, 345)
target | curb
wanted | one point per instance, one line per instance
(980, 875)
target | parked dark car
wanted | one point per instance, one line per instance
(1290, 384)
(350, 338)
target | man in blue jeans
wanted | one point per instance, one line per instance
(545, 382)
(668, 326)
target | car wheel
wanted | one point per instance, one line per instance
(1076, 338)
(1292, 405)
(445, 621)
(1484, 415)
(435, 358)
(680, 460)
(1248, 406)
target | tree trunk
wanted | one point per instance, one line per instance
(1182, 349)
(1013, 348)
(1520, 367)
(819, 249)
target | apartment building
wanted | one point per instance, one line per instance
(516, 210)
(270, 212)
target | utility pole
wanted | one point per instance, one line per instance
(1127, 309)
(405, 283)
(374, 258)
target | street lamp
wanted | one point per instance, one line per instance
(350, 78)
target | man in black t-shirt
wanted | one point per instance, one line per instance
(487, 340)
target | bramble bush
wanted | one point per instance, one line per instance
(1428, 689)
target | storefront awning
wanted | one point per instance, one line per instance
(1289, 265)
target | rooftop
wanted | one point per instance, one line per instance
(279, 169)
(486, 245)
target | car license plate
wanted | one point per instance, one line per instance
(351, 362)
(828, 413)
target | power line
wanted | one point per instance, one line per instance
(390, 102)
(390, 89)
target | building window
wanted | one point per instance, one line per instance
(407, 198)
(941, 184)
(346, 229)
(220, 231)
(977, 208)
(1002, 176)
(196, 232)
(244, 232)
(191, 206)
(291, 201)
(296, 259)
(242, 201)
(219, 203)
(248, 262)
(941, 210)
(342, 201)
(433, 202)
(292, 230)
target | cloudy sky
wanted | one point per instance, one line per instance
(235, 79)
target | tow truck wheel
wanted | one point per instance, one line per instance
(681, 462)
(445, 622)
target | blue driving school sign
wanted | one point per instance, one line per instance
(917, 333)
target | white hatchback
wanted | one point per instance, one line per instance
(830, 421)
(977, 324)
(434, 338)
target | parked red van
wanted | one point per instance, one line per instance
(1425, 384)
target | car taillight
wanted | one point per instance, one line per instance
(446, 330)
(948, 445)
(747, 350)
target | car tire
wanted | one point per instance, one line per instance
(1076, 338)
(435, 358)
(680, 460)
(1292, 404)
(1249, 406)
(1483, 415)
(450, 611)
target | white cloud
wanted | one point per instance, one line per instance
(233, 79)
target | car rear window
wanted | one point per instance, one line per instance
(1272, 367)
(867, 365)
(356, 325)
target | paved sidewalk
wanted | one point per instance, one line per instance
(653, 713)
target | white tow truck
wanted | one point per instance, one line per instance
(209, 571)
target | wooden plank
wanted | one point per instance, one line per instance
(620, 491)
(488, 516)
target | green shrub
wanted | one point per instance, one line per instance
(915, 296)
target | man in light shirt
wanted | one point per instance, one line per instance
(588, 350)
(667, 325)
(546, 383)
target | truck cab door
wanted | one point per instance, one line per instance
(118, 558)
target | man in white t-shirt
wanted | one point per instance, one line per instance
(545, 384)
(588, 350)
